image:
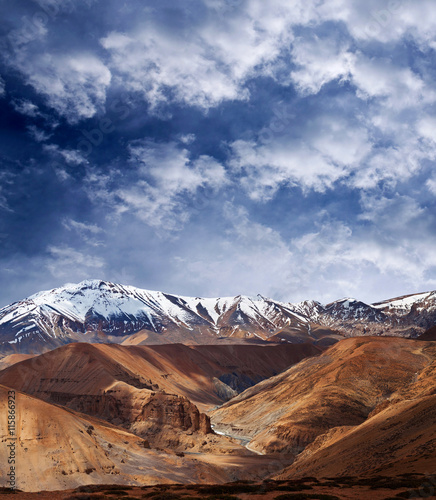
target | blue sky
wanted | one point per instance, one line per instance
(219, 147)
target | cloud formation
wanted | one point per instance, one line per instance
(217, 147)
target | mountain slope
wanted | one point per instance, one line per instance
(344, 386)
(97, 311)
(399, 439)
(151, 391)
(58, 448)
(208, 375)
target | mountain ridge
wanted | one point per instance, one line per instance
(101, 311)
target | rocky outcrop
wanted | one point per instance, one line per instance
(144, 413)
(175, 411)
(58, 449)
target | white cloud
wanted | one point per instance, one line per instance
(322, 60)
(387, 140)
(150, 62)
(431, 185)
(399, 87)
(29, 31)
(71, 156)
(7, 181)
(319, 61)
(74, 85)
(55, 7)
(97, 185)
(4, 202)
(166, 176)
(62, 259)
(38, 134)
(427, 128)
(74, 82)
(209, 62)
(187, 139)
(162, 187)
(2, 87)
(82, 227)
(396, 212)
(370, 265)
(212, 60)
(391, 20)
(332, 260)
(87, 231)
(405, 146)
(392, 165)
(315, 160)
(61, 173)
(26, 107)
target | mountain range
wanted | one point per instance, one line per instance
(119, 386)
(361, 411)
(98, 311)
(106, 413)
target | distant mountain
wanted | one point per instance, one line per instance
(100, 311)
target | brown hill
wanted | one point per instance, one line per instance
(429, 334)
(357, 380)
(11, 359)
(57, 448)
(401, 438)
(151, 390)
(207, 375)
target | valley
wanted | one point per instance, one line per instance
(324, 405)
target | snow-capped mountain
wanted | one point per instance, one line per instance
(95, 310)
(409, 304)
(100, 311)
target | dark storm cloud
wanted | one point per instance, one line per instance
(218, 147)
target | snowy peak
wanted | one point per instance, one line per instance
(309, 308)
(96, 307)
(408, 303)
(97, 310)
(347, 308)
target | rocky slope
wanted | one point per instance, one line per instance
(99, 311)
(357, 385)
(57, 448)
(152, 391)
(399, 439)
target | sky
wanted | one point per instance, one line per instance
(219, 147)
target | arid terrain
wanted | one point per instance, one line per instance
(347, 488)
(93, 410)
(368, 402)
(304, 416)
(90, 414)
